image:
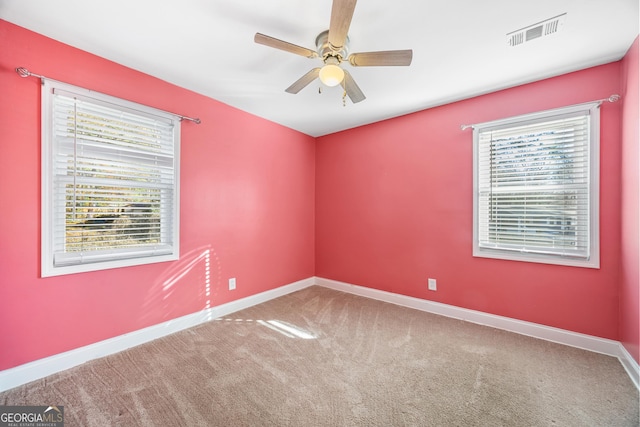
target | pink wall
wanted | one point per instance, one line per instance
(259, 230)
(630, 277)
(394, 207)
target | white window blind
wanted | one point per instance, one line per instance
(536, 186)
(110, 182)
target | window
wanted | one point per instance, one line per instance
(110, 182)
(536, 187)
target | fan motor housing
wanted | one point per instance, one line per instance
(325, 50)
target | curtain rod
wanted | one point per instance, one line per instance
(613, 98)
(23, 72)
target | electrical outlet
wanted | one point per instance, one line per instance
(232, 283)
(432, 285)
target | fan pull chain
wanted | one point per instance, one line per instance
(344, 98)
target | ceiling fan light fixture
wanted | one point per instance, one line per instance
(331, 75)
(332, 46)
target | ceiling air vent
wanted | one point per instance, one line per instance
(532, 32)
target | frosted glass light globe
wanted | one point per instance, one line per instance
(331, 75)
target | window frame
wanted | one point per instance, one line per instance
(592, 260)
(120, 258)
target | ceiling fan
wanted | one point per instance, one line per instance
(332, 46)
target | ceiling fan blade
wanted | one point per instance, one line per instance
(282, 45)
(341, 14)
(352, 89)
(387, 57)
(303, 81)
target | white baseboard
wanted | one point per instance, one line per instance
(32, 371)
(548, 333)
(630, 365)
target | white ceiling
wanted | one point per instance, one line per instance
(459, 48)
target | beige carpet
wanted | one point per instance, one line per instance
(318, 357)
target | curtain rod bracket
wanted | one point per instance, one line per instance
(23, 72)
(195, 120)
